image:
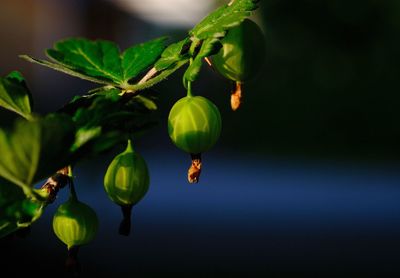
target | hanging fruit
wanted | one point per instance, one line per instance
(126, 182)
(194, 126)
(75, 223)
(241, 56)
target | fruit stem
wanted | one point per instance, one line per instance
(72, 264)
(236, 96)
(189, 89)
(55, 183)
(189, 85)
(72, 192)
(129, 147)
(125, 226)
(195, 169)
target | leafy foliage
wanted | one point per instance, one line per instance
(209, 47)
(95, 122)
(213, 28)
(101, 61)
(107, 118)
(172, 54)
(14, 95)
(36, 149)
(222, 19)
(16, 210)
(94, 58)
(140, 57)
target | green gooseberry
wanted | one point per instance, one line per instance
(127, 178)
(241, 57)
(242, 53)
(75, 223)
(194, 124)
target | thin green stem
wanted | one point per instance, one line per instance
(189, 89)
(70, 171)
(72, 192)
(195, 43)
(158, 78)
(189, 83)
(129, 147)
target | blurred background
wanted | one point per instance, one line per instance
(305, 178)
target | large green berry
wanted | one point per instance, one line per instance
(242, 52)
(127, 178)
(75, 223)
(194, 124)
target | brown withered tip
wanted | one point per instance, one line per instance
(208, 61)
(236, 96)
(195, 169)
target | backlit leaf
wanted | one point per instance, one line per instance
(14, 95)
(36, 149)
(140, 57)
(95, 58)
(223, 18)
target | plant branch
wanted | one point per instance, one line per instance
(148, 75)
(55, 183)
(153, 77)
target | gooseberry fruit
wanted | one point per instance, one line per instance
(241, 56)
(194, 126)
(75, 223)
(126, 182)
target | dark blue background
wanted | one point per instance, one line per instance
(248, 215)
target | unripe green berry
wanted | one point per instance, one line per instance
(127, 178)
(75, 223)
(242, 52)
(194, 124)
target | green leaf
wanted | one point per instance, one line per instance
(9, 193)
(209, 47)
(171, 55)
(16, 209)
(146, 102)
(101, 61)
(107, 117)
(138, 58)
(94, 58)
(14, 95)
(36, 149)
(85, 135)
(223, 18)
(66, 70)
(93, 115)
(92, 109)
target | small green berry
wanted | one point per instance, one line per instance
(194, 124)
(241, 57)
(127, 178)
(75, 223)
(242, 53)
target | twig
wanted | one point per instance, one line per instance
(148, 75)
(55, 183)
